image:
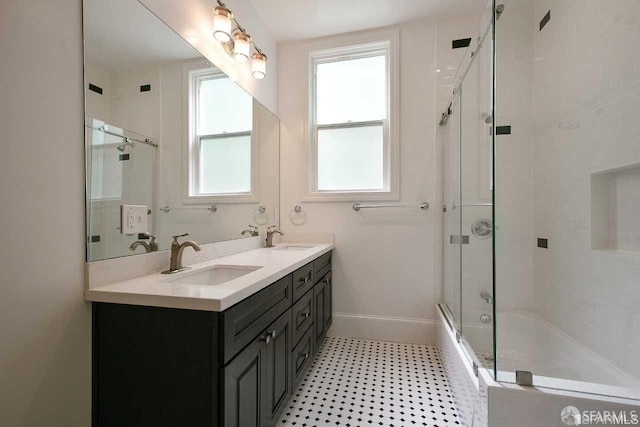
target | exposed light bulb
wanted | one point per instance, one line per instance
(259, 65)
(241, 46)
(222, 24)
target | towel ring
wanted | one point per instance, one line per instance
(260, 216)
(298, 216)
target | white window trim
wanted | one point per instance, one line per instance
(387, 41)
(192, 72)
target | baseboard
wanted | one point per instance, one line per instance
(382, 328)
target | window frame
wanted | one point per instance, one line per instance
(385, 43)
(195, 73)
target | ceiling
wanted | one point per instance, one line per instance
(123, 34)
(301, 19)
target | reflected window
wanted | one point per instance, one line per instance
(221, 152)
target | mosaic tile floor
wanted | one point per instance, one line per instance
(371, 383)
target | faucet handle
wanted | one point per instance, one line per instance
(151, 237)
(255, 227)
(175, 238)
(270, 227)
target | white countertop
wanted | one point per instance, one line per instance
(153, 290)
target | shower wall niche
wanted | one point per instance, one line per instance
(615, 208)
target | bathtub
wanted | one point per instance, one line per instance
(565, 373)
(527, 342)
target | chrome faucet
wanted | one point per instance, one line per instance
(152, 246)
(253, 231)
(176, 254)
(270, 234)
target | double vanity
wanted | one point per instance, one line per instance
(221, 344)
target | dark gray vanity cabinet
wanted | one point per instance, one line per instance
(156, 366)
(322, 308)
(257, 382)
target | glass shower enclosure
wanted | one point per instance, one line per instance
(541, 275)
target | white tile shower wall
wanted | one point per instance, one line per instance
(104, 272)
(513, 174)
(384, 258)
(124, 106)
(587, 119)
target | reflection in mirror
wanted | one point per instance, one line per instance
(173, 145)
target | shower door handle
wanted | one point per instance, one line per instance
(486, 296)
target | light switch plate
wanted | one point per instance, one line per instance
(133, 219)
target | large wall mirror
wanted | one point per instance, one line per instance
(173, 145)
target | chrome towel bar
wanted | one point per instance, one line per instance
(357, 206)
(455, 205)
(210, 208)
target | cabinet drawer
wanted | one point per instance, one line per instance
(302, 281)
(302, 355)
(302, 315)
(243, 322)
(321, 266)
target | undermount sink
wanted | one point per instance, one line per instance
(213, 276)
(294, 247)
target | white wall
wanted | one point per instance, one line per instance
(384, 259)
(45, 325)
(587, 118)
(193, 20)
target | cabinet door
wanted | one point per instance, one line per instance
(243, 386)
(328, 305)
(278, 378)
(319, 313)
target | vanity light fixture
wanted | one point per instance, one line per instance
(241, 46)
(236, 41)
(222, 23)
(259, 65)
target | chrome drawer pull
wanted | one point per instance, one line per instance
(268, 336)
(305, 315)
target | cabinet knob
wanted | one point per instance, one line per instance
(305, 315)
(327, 280)
(268, 336)
(305, 280)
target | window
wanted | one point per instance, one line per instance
(222, 164)
(354, 148)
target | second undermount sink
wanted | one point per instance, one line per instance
(294, 247)
(213, 276)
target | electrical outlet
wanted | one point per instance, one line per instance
(133, 219)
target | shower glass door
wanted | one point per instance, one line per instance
(468, 194)
(452, 196)
(475, 207)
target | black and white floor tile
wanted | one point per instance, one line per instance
(371, 383)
